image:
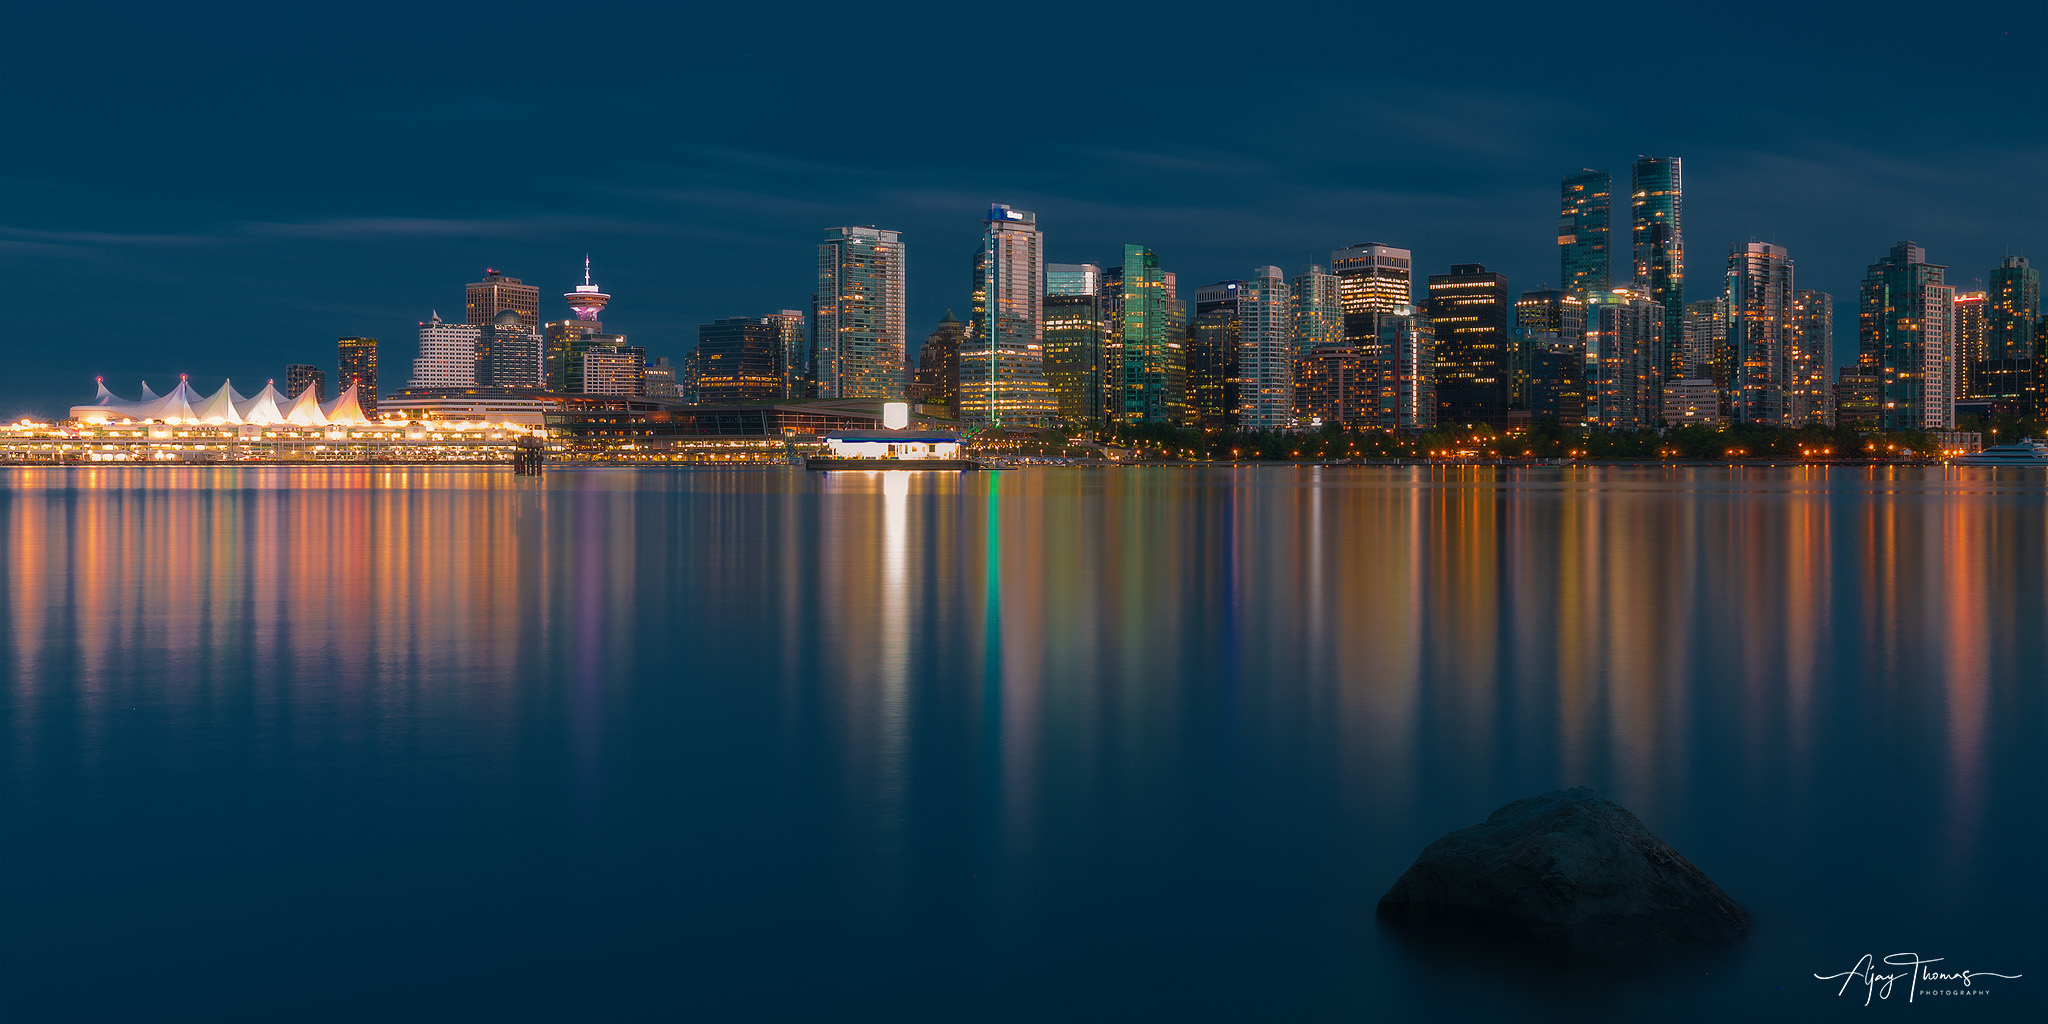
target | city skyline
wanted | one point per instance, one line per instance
(1459, 173)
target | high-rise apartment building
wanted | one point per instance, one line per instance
(447, 356)
(1810, 362)
(793, 353)
(1146, 318)
(662, 382)
(1905, 338)
(1657, 194)
(1002, 366)
(300, 376)
(613, 370)
(737, 360)
(1557, 377)
(1551, 311)
(1585, 233)
(937, 381)
(1406, 364)
(1336, 384)
(1265, 364)
(861, 332)
(1470, 319)
(1317, 322)
(2013, 317)
(1703, 340)
(1076, 326)
(1624, 335)
(1759, 310)
(1971, 321)
(1374, 281)
(496, 292)
(359, 370)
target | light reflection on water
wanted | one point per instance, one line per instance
(1152, 740)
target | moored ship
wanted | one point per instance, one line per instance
(2025, 452)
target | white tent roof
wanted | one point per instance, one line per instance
(266, 407)
(305, 410)
(346, 409)
(219, 407)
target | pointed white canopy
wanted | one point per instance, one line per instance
(218, 408)
(346, 409)
(175, 407)
(305, 410)
(267, 407)
(147, 394)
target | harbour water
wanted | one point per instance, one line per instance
(1146, 744)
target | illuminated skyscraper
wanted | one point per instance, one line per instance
(1905, 338)
(737, 360)
(1585, 233)
(447, 356)
(1703, 339)
(1144, 320)
(937, 381)
(359, 370)
(1374, 280)
(1265, 364)
(1971, 321)
(1551, 311)
(1657, 194)
(495, 292)
(1317, 322)
(1002, 363)
(1624, 334)
(794, 352)
(1406, 363)
(1213, 335)
(2014, 311)
(1810, 367)
(1469, 320)
(1076, 325)
(300, 376)
(861, 331)
(1759, 309)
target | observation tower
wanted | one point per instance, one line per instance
(586, 300)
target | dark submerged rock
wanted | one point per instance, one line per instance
(1569, 871)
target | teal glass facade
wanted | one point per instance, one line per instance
(1585, 230)
(1657, 204)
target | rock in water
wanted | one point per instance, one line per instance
(1569, 870)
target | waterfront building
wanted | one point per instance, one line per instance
(661, 381)
(1374, 280)
(586, 300)
(861, 331)
(1265, 350)
(1624, 335)
(1213, 336)
(2013, 316)
(1337, 385)
(301, 376)
(495, 292)
(1475, 358)
(793, 353)
(1557, 377)
(1905, 336)
(1970, 321)
(1859, 400)
(1317, 322)
(1584, 234)
(359, 371)
(1405, 367)
(937, 381)
(1703, 337)
(1691, 401)
(736, 360)
(1144, 342)
(2013, 388)
(1759, 309)
(1810, 365)
(614, 370)
(1076, 327)
(509, 352)
(1657, 194)
(1002, 361)
(1177, 410)
(447, 356)
(1551, 311)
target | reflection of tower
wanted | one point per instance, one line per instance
(586, 300)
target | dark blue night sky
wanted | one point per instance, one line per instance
(222, 192)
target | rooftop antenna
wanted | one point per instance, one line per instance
(586, 268)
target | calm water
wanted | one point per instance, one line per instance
(364, 743)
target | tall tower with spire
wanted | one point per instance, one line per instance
(585, 299)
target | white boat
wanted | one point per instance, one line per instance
(2025, 452)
